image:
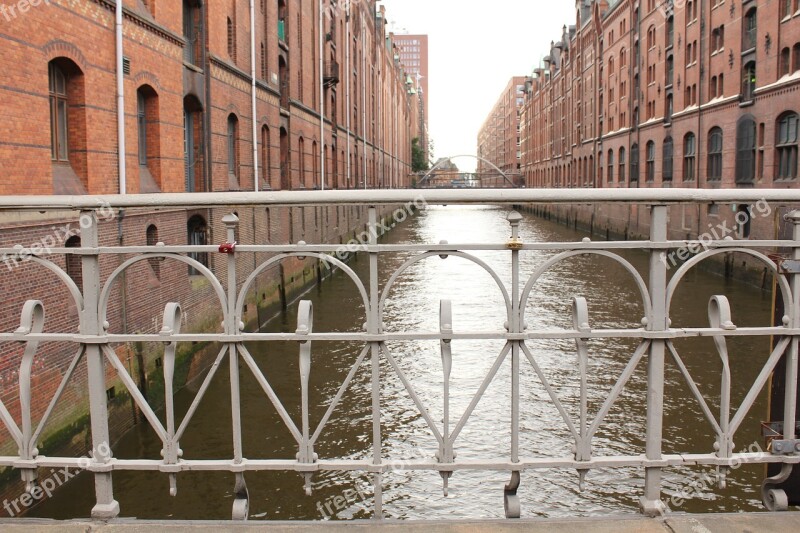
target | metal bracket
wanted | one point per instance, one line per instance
(789, 266)
(785, 447)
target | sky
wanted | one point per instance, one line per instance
(475, 48)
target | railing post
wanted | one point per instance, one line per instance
(514, 325)
(241, 502)
(650, 503)
(106, 506)
(374, 327)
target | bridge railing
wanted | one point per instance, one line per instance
(655, 343)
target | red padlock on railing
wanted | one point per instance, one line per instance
(227, 248)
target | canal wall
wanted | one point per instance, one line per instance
(685, 222)
(137, 300)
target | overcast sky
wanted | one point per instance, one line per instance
(475, 48)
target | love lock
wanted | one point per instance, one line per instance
(227, 248)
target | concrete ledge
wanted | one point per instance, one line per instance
(788, 522)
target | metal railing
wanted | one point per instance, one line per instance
(655, 343)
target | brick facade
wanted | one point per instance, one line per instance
(632, 81)
(499, 136)
(188, 85)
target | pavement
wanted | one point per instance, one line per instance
(674, 523)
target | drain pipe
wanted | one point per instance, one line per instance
(253, 89)
(120, 103)
(349, 77)
(321, 99)
(364, 99)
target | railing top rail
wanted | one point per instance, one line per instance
(401, 196)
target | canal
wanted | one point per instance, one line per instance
(477, 305)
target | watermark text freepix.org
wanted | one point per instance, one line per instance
(11, 11)
(58, 236)
(45, 488)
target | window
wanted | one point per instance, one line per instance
(74, 265)
(651, 37)
(266, 163)
(233, 146)
(670, 70)
(786, 8)
(786, 61)
(714, 170)
(689, 156)
(651, 161)
(301, 164)
(796, 57)
(786, 146)
(231, 40)
(197, 236)
(670, 31)
(745, 150)
(635, 163)
(622, 162)
(58, 114)
(666, 162)
(141, 122)
(750, 30)
(749, 81)
(264, 73)
(712, 87)
(192, 31)
(151, 236)
(610, 166)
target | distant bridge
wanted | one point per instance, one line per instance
(445, 175)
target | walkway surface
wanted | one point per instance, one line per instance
(710, 523)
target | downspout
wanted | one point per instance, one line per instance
(207, 163)
(123, 188)
(364, 99)
(321, 100)
(699, 136)
(253, 89)
(349, 76)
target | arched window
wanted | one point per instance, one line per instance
(786, 146)
(148, 132)
(74, 266)
(197, 235)
(301, 161)
(233, 151)
(689, 156)
(66, 91)
(600, 169)
(651, 161)
(59, 130)
(622, 162)
(714, 171)
(746, 150)
(635, 163)
(151, 236)
(610, 166)
(314, 165)
(666, 162)
(651, 37)
(670, 64)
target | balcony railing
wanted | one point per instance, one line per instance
(655, 341)
(330, 75)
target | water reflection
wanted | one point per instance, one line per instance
(478, 304)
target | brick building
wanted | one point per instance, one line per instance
(413, 51)
(499, 136)
(688, 93)
(189, 126)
